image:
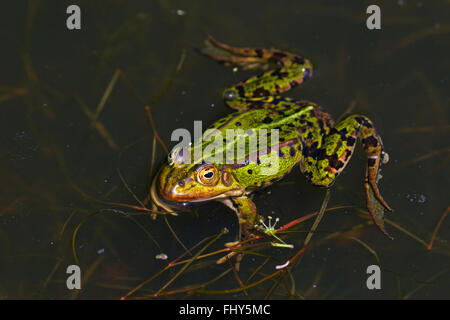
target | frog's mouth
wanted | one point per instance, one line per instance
(162, 203)
(172, 206)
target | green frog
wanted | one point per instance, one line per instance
(307, 136)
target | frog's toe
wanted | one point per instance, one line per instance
(376, 210)
(243, 57)
(225, 258)
(231, 244)
(238, 256)
(244, 52)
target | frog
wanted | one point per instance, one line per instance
(308, 138)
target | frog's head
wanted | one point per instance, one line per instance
(178, 185)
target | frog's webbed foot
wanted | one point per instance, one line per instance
(245, 58)
(375, 202)
(373, 147)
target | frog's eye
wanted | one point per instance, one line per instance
(207, 175)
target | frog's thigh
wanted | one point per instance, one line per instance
(337, 148)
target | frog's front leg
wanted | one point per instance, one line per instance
(289, 71)
(322, 164)
(247, 214)
(248, 217)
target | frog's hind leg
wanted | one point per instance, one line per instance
(289, 71)
(322, 165)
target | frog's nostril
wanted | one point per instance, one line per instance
(229, 95)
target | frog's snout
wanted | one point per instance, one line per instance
(162, 196)
(165, 189)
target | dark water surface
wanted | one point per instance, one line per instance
(54, 161)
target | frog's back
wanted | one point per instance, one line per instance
(297, 123)
(280, 113)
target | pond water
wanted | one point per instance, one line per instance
(65, 169)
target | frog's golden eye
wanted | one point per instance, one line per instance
(207, 175)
